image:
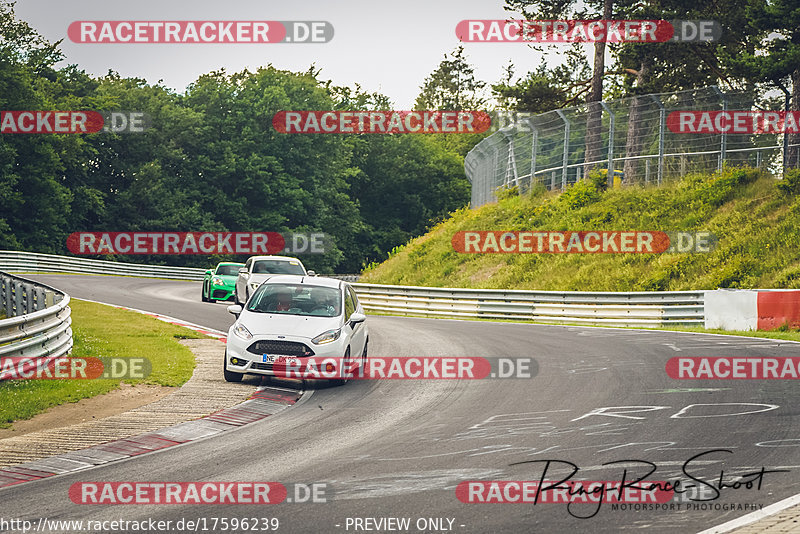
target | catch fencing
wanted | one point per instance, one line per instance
(630, 137)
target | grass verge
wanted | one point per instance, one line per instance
(104, 331)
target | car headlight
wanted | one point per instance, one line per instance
(327, 337)
(218, 281)
(242, 331)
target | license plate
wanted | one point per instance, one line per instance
(278, 358)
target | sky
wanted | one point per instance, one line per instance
(385, 46)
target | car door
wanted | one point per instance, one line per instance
(359, 330)
(241, 280)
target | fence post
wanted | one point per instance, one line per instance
(610, 170)
(787, 98)
(661, 124)
(511, 162)
(723, 136)
(534, 138)
(566, 149)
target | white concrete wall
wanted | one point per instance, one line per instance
(731, 309)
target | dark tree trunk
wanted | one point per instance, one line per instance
(636, 128)
(594, 116)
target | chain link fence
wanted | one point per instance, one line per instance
(628, 136)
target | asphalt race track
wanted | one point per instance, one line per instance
(399, 448)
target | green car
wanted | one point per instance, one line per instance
(219, 283)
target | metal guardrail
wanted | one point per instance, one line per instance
(12, 261)
(643, 308)
(38, 323)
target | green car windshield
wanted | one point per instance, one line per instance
(297, 299)
(228, 269)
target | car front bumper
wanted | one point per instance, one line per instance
(327, 362)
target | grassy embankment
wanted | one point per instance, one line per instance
(104, 331)
(755, 217)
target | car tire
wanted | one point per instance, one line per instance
(236, 296)
(203, 293)
(363, 369)
(342, 381)
(230, 376)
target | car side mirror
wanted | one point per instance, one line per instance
(235, 309)
(356, 318)
(311, 273)
(209, 272)
(242, 271)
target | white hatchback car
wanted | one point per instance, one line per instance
(297, 320)
(260, 268)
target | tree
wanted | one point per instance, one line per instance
(776, 57)
(575, 9)
(452, 86)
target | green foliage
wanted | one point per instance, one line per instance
(507, 192)
(598, 178)
(580, 194)
(213, 162)
(790, 185)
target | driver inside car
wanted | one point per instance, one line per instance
(324, 303)
(283, 301)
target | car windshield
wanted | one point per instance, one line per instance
(278, 267)
(228, 269)
(297, 299)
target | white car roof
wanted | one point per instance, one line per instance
(306, 280)
(286, 258)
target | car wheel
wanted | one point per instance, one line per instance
(230, 376)
(345, 363)
(363, 369)
(203, 293)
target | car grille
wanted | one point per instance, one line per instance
(286, 348)
(261, 366)
(219, 293)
